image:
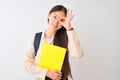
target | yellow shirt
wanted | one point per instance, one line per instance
(31, 61)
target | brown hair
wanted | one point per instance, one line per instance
(61, 39)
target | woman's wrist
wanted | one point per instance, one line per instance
(69, 29)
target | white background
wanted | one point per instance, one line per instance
(97, 23)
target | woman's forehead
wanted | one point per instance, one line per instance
(58, 13)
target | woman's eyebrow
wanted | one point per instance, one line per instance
(57, 15)
(54, 14)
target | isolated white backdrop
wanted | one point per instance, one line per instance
(97, 23)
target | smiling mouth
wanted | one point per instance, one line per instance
(54, 25)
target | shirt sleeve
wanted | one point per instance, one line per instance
(30, 65)
(74, 47)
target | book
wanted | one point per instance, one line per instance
(52, 57)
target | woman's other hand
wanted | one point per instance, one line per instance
(54, 75)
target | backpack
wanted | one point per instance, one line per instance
(36, 46)
(37, 41)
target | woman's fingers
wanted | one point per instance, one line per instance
(55, 75)
(66, 21)
(70, 14)
(62, 19)
(59, 73)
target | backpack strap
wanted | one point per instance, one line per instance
(37, 41)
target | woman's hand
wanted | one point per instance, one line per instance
(54, 75)
(66, 21)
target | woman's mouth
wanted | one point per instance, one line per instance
(54, 25)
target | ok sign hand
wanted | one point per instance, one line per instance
(66, 21)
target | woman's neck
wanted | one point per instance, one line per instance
(50, 33)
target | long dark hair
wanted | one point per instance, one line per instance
(61, 39)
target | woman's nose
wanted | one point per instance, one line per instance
(56, 21)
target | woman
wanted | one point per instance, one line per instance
(59, 32)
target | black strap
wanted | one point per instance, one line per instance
(37, 41)
(36, 46)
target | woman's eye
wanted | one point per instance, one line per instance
(54, 17)
(62, 20)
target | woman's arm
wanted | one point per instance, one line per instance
(74, 47)
(30, 65)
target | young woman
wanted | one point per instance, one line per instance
(59, 32)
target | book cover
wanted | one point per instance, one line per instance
(52, 57)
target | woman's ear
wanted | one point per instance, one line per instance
(48, 17)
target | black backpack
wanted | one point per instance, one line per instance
(37, 41)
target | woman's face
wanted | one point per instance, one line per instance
(55, 18)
